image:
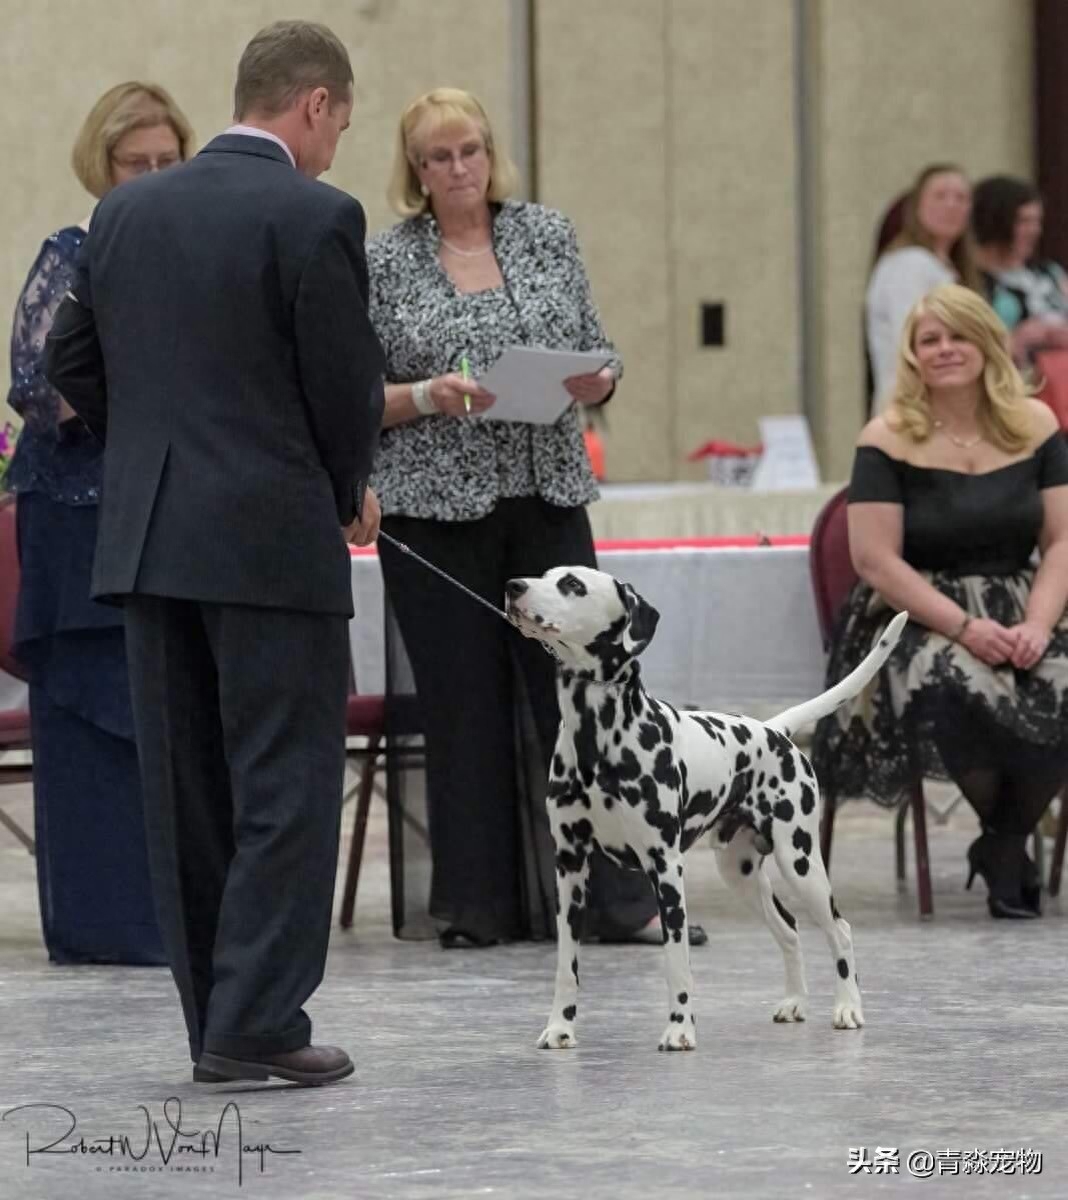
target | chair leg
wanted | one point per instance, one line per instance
(827, 831)
(923, 865)
(1058, 846)
(899, 839)
(359, 834)
(11, 824)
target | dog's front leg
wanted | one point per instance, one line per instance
(572, 895)
(681, 1033)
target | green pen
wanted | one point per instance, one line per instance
(465, 371)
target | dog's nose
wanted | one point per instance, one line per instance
(515, 588)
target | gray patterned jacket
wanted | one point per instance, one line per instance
(455, 469)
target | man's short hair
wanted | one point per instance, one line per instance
(286, 59)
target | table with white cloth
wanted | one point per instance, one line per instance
(737, 632)
(695, 509)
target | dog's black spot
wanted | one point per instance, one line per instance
(607, 648)
(760, 780)
(741, 734)
(801, 866)
(806, 767)
(834, 910)
(784, 810)
(664, 770)
(586, 746)
(678, 1017)
(574, 969)
(712, 728)
(648, 736)
(802, 840)
(608, 712)
(763, 807)
(683, 998)
(569, 1013)
(784, 750)
(741, 761)
(808, 799)
(570, 585)
(672, 916)
(608, 802)
(576, 894)
(617, 738)
(783, 911)
(773, 782)
(659, 861)
(558, 765)
(746, 866)
(843, 968)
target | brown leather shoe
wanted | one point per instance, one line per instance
(310, 1066)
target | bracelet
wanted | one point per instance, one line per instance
(955, 637)
(422, 399)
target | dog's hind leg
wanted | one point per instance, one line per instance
(797, 855)
(572, 895)
(681, 1032)
(741, 868)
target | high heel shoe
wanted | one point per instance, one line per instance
(997, 858)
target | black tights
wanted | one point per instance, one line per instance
(1009, 799)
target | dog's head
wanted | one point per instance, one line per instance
(592, 622)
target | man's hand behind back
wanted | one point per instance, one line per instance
(363, 531)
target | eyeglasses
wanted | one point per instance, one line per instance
(141, 164)
(442, 159)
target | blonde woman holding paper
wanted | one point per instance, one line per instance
(466, 274)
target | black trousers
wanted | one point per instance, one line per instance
(240, 718)
(493, 869)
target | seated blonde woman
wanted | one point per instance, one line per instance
(954, 488)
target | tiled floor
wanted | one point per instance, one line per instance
(965, 1049)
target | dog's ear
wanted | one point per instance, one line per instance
(641, 619)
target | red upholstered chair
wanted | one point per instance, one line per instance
(15, 723)
(391, 743)
(365, 717)
(833, 576)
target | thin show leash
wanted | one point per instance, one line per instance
(385, 537)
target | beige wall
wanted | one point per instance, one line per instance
(666, 131)
(899, 85)
(671, 146)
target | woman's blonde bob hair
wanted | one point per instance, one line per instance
(1004, 416)
(126, 106)
(442, 108)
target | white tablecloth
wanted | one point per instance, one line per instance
(737, 630)
(678, 510)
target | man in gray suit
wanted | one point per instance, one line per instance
(217, 340)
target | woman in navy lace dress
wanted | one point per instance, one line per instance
(92, 873)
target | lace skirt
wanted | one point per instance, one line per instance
(934, 705)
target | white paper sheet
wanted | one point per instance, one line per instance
(788, 461)
(529, 382)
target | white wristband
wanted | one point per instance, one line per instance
(422, 398)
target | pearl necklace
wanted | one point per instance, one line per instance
(466, 253)
(961, 442)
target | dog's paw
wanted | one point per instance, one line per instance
(678, 1037)
(557, 1036)
(848, 1016)
(791, 1009)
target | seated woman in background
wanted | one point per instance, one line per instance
(934, 247)
(953, 490)
(92, 866)
(1028, 293)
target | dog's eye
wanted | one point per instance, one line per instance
(571, 585)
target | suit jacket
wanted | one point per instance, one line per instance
(216, 339)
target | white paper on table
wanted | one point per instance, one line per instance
(529, 382)
(788, 460)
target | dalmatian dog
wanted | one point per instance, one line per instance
(642, 782)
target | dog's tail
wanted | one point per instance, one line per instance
(793, 719)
